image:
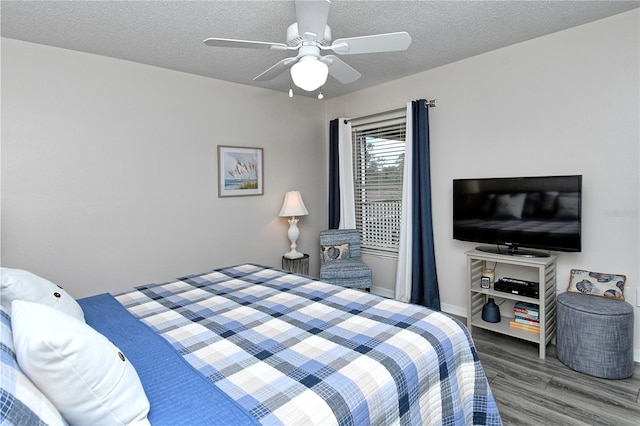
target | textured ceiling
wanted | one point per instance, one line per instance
(169, 34)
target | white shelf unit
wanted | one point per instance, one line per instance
(542, 268)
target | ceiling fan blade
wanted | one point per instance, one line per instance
(275, 70)
(228, 42)
(340, 70)
(389, 42)
(312, 18)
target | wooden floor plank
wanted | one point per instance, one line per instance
(595, 405)
(614, 390)
(531, 391)
(519, 406)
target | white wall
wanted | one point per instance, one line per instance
(567, 103)
(109, 170)
(108, 167)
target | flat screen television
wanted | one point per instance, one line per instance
(518, 213)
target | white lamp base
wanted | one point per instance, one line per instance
(293, 233)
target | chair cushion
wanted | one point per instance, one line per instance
(598, 306)
(344, 268)
(333, 237)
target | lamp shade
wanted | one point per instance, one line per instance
(309, 73)
(293, 205)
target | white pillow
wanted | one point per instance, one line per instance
(86, 376)
(17, 284)
(21, 401)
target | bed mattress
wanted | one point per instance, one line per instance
(286, 349)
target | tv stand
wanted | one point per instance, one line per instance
(540, 269)
(513, 251)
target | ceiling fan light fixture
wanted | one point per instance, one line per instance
(309, 73)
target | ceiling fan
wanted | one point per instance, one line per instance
(311, 35)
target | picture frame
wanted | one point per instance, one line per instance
(240, 171)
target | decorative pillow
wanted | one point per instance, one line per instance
(22, 402)
(86, 376)
(509, 206)
(335, 252)
(597, 284)
(17, 284)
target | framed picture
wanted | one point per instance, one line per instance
(239, 171)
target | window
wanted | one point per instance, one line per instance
(378, 162)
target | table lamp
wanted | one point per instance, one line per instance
(293, 206)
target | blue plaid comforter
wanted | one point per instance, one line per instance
(296, 351)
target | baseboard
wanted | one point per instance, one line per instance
(444, 307)
(384, 292)
(453, 310)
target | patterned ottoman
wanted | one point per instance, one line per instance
(595, 335)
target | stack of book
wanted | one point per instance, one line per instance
(526, 317)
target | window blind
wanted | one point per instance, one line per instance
(378, 162)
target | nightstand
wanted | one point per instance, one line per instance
(297, 266)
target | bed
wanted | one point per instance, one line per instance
(250, 344)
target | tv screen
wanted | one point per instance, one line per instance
(543, 212)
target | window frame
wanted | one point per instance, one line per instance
(378, 147)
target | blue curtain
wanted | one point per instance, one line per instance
(424, 288)
(334, 176)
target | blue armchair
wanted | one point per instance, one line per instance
(340, 261)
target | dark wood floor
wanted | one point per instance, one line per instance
(531, 391)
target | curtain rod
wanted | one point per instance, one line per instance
(430, 103)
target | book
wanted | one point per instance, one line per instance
(526, 314)
(525, 309)
(525, 327)
(525, 318)
(527, 322)
(527, 306)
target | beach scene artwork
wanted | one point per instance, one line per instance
(240, 171)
